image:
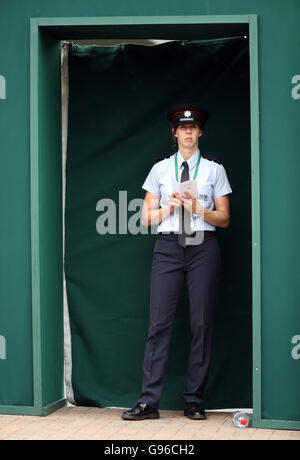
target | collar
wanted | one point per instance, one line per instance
(191, 162)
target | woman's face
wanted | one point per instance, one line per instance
(187, 135)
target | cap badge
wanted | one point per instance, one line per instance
(187, 113)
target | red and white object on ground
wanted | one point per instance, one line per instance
(240, 419)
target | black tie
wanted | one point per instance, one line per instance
(184, 215)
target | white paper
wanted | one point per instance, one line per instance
(189, 186)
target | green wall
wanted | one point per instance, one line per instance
(279, 62)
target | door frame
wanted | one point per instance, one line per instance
(45, 43)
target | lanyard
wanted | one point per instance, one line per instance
(196, 170)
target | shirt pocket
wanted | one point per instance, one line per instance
(205, 195)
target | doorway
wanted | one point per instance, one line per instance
(211, 27)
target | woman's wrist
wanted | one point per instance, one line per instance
(199, 211)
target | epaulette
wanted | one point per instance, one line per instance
(211, 158)
(162, 158)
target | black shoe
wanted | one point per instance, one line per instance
(141, 411)
(194, 411)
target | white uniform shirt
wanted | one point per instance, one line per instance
(212, 182)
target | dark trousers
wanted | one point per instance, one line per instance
(172, 265)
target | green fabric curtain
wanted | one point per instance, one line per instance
(117, 129)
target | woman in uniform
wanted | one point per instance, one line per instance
(186, 250)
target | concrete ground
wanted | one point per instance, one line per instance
(86, 423)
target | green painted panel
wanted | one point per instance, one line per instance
(15, 269)
(50, 218)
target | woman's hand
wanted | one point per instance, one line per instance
(190, 203)
(175, 201)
